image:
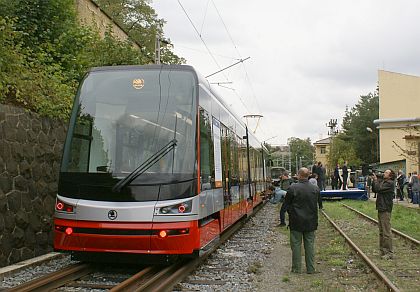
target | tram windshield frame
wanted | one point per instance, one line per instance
(122, 117)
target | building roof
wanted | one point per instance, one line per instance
(323, 141)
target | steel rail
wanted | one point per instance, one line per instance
(177, 276)
(413, 240)
(160, 276)
(55, 279)
(165, 279)
(130, 282)
(374, 268)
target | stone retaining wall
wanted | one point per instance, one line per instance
(30, 154)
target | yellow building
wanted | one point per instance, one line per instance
(399, 119)
(322, 147)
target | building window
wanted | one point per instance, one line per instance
(323, 150)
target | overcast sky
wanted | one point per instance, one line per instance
(308, 59)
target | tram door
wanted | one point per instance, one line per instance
(227, 198)
(234, 177)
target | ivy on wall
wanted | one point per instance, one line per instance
(45, 52)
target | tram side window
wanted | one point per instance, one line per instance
(206, 152)
(79, 156)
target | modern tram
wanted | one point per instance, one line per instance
(154, 163)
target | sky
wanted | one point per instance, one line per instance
(308, 59)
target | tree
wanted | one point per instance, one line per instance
(45, 52)
(411, 150)
(142, 24)
(302, 151)
(341, 149)
(356, 125)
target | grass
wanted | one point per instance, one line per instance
(339, 268)
(402, 218)
(316, 283)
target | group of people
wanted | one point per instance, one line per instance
(302, 201)
(410, 185)
(319, 173)
(340, 182)
(337, 181)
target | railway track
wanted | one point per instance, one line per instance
(402, 273)
(150, 278)
(403, 235)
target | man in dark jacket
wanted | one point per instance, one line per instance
(302, 199)
(385, 193)
(345, 175)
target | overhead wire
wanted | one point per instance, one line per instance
(204, 18)
(209, 51)
(239, 54)
(204, 52)
(201, 38)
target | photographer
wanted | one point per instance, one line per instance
(384, 188)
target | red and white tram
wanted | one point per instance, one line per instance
(154, 163)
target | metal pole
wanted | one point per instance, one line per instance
(240, 61)
(296, 165)
(157, 50)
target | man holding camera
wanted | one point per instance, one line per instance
(384, 188)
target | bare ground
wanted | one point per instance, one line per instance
(339, 269)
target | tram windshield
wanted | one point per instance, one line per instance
(122, 117)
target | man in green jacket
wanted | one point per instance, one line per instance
(302, 199)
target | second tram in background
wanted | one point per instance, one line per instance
(154, 163)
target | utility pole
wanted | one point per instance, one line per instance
(332, 124)
(157, 50)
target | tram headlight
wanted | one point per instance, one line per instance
(181, 208)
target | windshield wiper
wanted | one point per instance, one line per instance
(145, 166)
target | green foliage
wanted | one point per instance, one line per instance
(342, 149)
(142, 24)
(43, 21)
(45, 52)
(301, 148)
(355, 143)
(11, 58)
(355, 124)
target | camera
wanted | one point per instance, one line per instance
(378, 173)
